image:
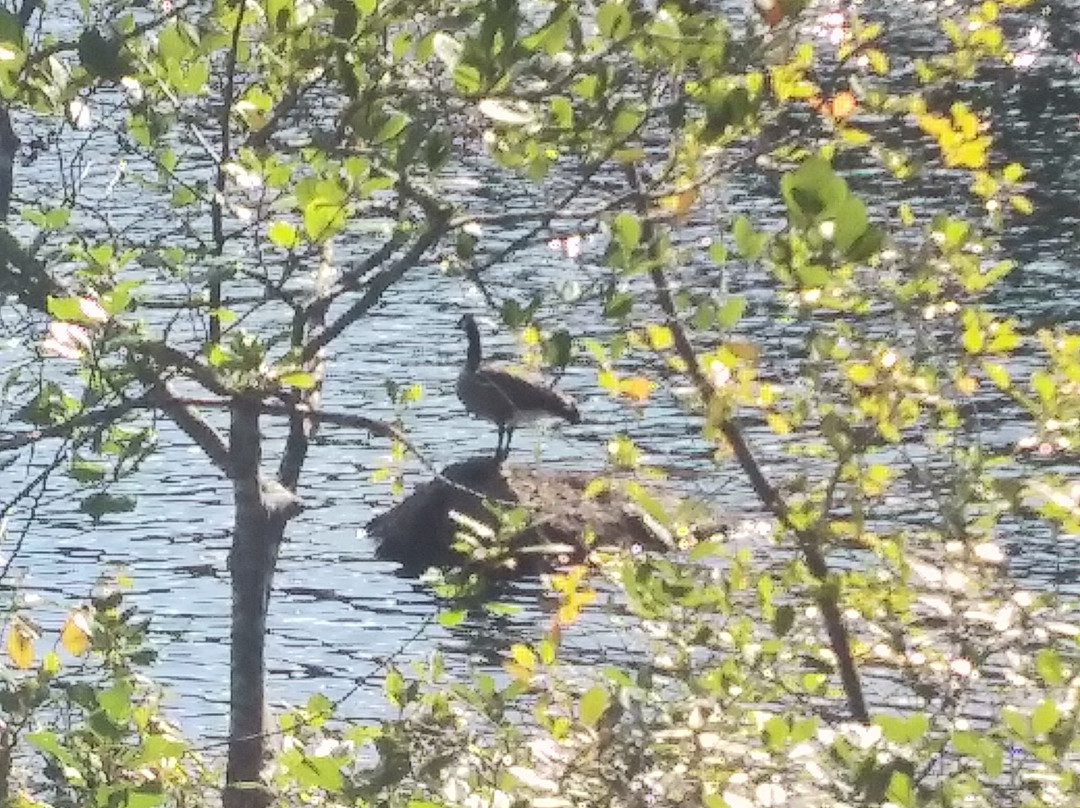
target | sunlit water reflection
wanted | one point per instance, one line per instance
(338, 612)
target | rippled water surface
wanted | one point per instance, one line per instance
(336, 610)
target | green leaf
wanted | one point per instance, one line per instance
(391, 128)
(775, 733)
(394, 687)
(1048, 666)
(1021, 204)
(1013, 172)
(116, 702)
(562, 111)
(900, 789)
(323, 218)
(87, 471)
(182, 196)
(866, 245)
(557, 348)
(298, 378)
(283, 234)
(49, 743)
(593, 704)
(784, 619)
(731, 312)
(900, 730)
(11, 30)
(1016, 722)
(467, 79)
(973, 338)
(451, 617)
(613, 19)
(100, 504)
(118, 298)
(64, 308)
(57, 218)
(811, 191)
(1045, 717)
(156, 747)
(143, 798)
(626, 228)
(748, 243)
(850, 222)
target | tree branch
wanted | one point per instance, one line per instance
(217, 221)
(312, 322)
(190, 420)
(258, 138)
(375, 288)
(168, 356)
(810, 541)
(66, 428)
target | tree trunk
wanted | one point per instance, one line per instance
(256, 538)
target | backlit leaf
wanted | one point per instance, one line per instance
(627, 230)
(300, 379)
(637, 388)
(451, 617)
(1045, 717)
(283, 234)
(20, 643)
(75, 633)
(731, 312)
(680, 202)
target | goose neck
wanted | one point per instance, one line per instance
(472, 358)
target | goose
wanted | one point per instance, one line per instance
(507, 399)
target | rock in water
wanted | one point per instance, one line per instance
(547, 517)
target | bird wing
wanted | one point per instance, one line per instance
(527, 392)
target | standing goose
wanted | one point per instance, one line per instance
(507, 399)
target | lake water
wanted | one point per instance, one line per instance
(337, 612)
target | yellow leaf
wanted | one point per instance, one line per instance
(20, 644)
(75, 635)
(659, 337)
(523, 656)
(680, 202)
(838, 107)
(746, 351)
(779, 424)
(967, 384)
(637, 388)
(1021, 203)
(517, 671)
(570, 610)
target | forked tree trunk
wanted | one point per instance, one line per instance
(263, 507)
(256, 539)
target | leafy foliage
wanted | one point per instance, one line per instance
(866, 647)
(94, 722)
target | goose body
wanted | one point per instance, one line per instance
(507, 399)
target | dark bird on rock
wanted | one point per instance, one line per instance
(505, 398)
